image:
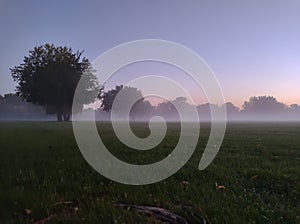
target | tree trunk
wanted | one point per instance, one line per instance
(67, 115)
(59, 116)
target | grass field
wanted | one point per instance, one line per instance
(43, 176)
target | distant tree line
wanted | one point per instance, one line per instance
(256, 108)
(13, 107)
(49, 75)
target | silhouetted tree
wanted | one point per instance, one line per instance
(295, 107)
(127, 94)
(294, 110)
(167, 110)
(263, 104)
(107, 98)
(13, 107)
(204, 110)
(49, 77)
(142, 109)
(231, 110)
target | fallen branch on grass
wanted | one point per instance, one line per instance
(158, 213)
(47, 219)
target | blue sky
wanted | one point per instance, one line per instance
(253, 47)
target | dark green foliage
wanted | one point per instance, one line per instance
(49, 77)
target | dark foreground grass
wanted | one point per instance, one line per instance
(43, 171)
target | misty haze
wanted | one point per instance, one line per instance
(166, 111)
(261, 108)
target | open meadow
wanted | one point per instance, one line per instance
(254, 178)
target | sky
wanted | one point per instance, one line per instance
(253, 47)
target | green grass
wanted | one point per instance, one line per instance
(41, 169)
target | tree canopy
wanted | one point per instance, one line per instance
(108, 97)
(126, 94)
(49, 77)
(263, 104)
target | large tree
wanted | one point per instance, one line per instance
(49, 77)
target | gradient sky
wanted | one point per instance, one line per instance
(253, 47)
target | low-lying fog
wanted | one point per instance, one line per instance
(264, 108)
